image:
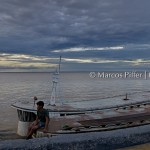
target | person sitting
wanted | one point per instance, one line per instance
(41, 122)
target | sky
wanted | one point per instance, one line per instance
(88, 34)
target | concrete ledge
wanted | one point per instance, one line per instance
(84, 141)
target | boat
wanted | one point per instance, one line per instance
(80, 117)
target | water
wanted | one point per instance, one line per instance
(73, 87)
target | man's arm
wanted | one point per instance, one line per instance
(46, 124)
(36, 121)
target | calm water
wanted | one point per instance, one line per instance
(73, 87)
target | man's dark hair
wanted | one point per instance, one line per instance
(40, 103)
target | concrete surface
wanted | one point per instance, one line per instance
(107, 140)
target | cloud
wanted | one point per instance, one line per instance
(134, 62)
(141, 62)
(51, 24)
(25, 61)
(79, 49)
(42, 63)
(90, 60)
(104, 29)
(138, 46)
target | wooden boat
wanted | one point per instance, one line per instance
(83, 116)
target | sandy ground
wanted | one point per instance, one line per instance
(8, 124)
(138, 147)
(9, 135)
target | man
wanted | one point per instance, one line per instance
(42, 120)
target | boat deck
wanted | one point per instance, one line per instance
(101, 121)
(117, 120)
(77, 117)
(90, 105)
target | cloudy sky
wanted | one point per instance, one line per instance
(88, 34)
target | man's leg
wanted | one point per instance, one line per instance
(31, 130)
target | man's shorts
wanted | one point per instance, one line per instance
(41, 124)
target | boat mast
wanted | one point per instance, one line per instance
(54, 85)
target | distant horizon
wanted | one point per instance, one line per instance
(84, 71)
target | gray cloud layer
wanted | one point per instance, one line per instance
(48, 24)
(38, 27)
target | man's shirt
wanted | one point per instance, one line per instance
(42, 115)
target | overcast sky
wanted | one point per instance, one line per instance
(88, 34)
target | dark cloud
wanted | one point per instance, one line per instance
(57, 22)
(40, 26)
